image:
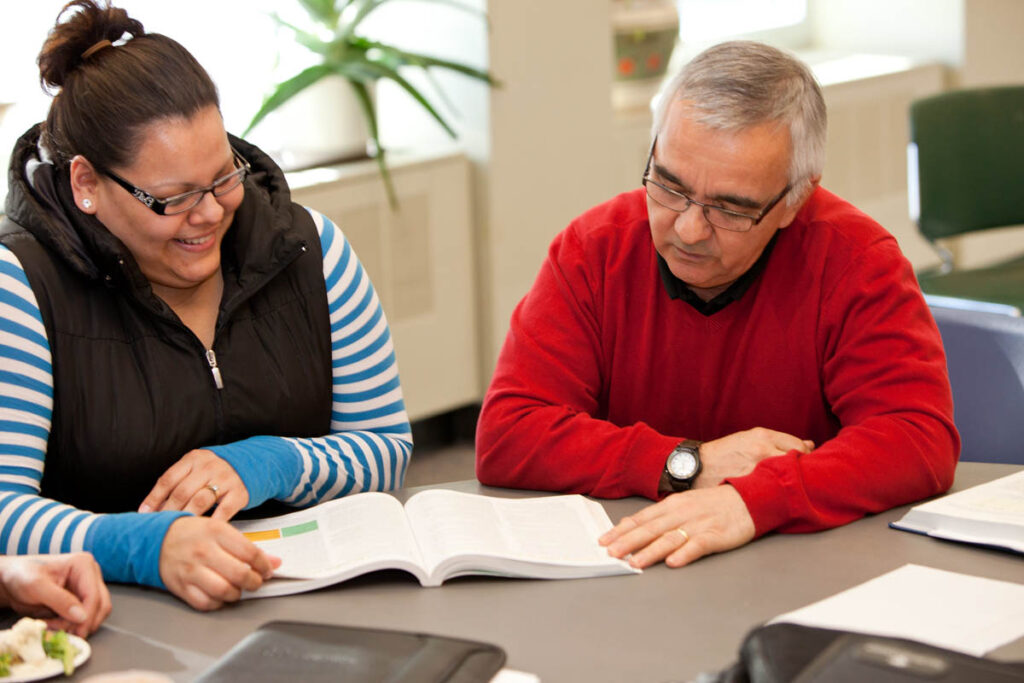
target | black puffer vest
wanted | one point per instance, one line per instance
(133, 387)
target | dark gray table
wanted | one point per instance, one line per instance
(663, 625)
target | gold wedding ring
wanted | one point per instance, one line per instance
(216, 492)
(682, 532)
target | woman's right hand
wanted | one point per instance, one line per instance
(207, 562)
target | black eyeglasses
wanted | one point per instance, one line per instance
(725, 219)
(186, 201)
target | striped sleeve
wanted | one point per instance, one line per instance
(29, 523)
(370, 442)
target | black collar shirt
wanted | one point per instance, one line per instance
(677, 289)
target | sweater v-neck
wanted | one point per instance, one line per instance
(677, 289)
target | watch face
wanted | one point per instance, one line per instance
(682, 464)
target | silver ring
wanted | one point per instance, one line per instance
(214, 489)
(682, 532)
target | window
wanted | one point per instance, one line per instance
(218, 26)
(213, 32)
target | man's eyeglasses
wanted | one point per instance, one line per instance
(186, 201)
(725, 219)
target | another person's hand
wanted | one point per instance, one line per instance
(196, 483)
(67, 590)
(207, 562)
(738, 454)
(682, 528)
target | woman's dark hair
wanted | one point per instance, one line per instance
(108, 92)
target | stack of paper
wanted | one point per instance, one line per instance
(958, 612)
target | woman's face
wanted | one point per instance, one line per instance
(182, 251)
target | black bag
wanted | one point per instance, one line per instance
(296, 651)
(791, 653)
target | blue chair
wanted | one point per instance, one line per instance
(985, 356)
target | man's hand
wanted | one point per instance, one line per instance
(737, 454)
(67, 590)
(207, 562)
(682, 528)
(189, 485)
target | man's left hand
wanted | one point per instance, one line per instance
(682, 528)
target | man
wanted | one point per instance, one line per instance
(732, 339)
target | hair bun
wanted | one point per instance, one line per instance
(77, 38)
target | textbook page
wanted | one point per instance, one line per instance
(364, 532)
(548, 537)
(991, 513)
(958, 612)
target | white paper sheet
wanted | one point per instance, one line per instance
(513, 676)
(959, 612)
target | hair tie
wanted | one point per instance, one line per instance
(96, 48)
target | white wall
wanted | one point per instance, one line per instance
(552, 150)
(928, 30)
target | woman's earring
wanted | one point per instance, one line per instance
(87, 203)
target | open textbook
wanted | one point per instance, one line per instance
(987, 514)
(436, 535)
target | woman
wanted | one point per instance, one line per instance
(179, 335)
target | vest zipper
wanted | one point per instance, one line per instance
(211, 358)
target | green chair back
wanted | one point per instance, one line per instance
(970, 160)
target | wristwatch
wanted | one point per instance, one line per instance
(683, 466)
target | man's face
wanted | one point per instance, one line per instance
(742, 171)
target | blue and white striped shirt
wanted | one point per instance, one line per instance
(368, 447)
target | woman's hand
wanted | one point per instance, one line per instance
(67, 590)
(196, 483)
(207, 562)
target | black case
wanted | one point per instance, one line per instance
(297, 651)
(854, 658)
(790, 653)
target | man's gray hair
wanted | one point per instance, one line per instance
(739, 84)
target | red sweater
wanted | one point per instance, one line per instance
(602, 374)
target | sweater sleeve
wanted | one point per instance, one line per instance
(127, 546)
(541, 423)
(884, 376)
(370, 442)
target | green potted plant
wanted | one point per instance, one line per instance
(335, 38)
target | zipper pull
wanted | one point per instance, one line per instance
(211, 358)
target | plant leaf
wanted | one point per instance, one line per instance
(287, 90)
(366, 101)
(449, 105)
(308, 40)
(362, 9)
(363, 62)
(424, 61)
(381, 70)
(321, 11)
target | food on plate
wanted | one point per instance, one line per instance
(28, 644)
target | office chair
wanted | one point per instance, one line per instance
(965, 167)
(985, 356)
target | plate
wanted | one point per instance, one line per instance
(22, 673)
